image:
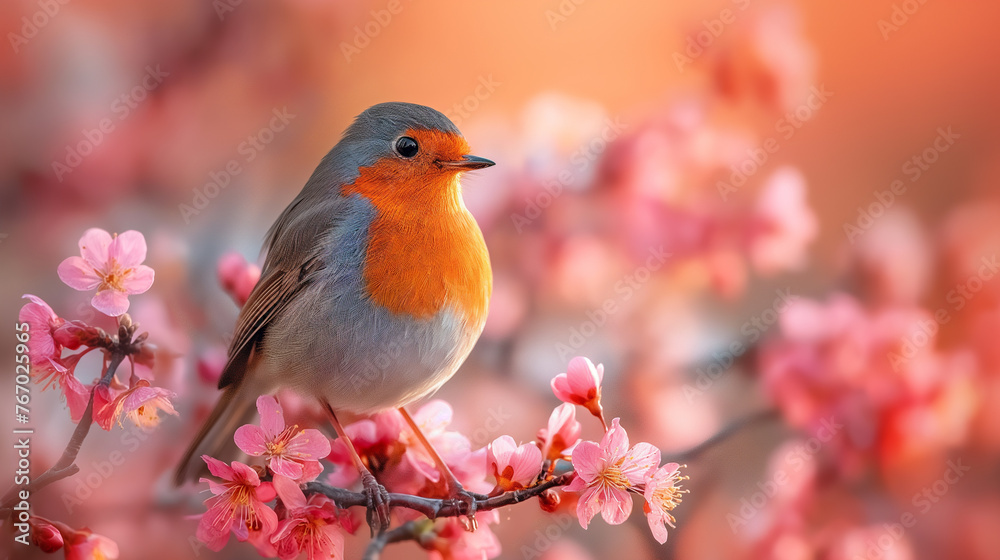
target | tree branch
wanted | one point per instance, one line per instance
(405, 532)
(66, 465)
(722, 435)
(435, 508)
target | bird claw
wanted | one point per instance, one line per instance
(465, 502)
(378, 504)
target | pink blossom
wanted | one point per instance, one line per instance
(377, 440)
(562, 433)
(291, 452)
(785, 225)
(513, 466)
(581, 384)
(61, 372)
(42, 323)
(237, 276)
(606, 473)
(455, 450)
(87, 545)
(45, 535)
(310, 525)
(237, 506)
(140, 404)
(112, 265)
(452, 541)
(662, 495)
(104, 405)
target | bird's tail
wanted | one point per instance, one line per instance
(216, 435)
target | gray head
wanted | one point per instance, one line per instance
(400, 140)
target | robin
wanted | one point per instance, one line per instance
(375, 286)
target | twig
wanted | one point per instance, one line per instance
(435, 508)
(66, 465)
(406, 531)
(723, 435)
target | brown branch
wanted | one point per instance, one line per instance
(435, 508)
(405, 532)
(66, 465)
(722, 435)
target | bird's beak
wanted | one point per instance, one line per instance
(467, 163)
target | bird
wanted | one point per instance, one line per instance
(374, 289)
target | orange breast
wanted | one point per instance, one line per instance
(425, 250)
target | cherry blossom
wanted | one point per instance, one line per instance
(290, 451)
(561, 434)
(662, 495)
(310, 526)
(87, 545)
(140, 404)
(238, 505)
(513, 466)
(112, 265)
(581, 384)
(606, 472)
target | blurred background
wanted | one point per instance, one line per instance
(736, 206)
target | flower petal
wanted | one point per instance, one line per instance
(251, 440)
(78, 274)
(129, 249)
(588, 506)
(433, 417)
(640, 461)
(272, 417)
(588, 460)
(218, 468)
(617, 506)
(615, 441)
(289, 492)
(309, 445)
(94, 247)
(139, 280)
(657, 525)
(285, 468)
(527, 462)
(110, 302)
(561, 388)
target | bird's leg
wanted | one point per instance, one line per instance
(378, 497)
(455, 491)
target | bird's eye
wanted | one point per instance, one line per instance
(407, 147)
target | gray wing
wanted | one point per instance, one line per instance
(294, 257)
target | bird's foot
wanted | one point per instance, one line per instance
(465, 502)
(378, 504)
